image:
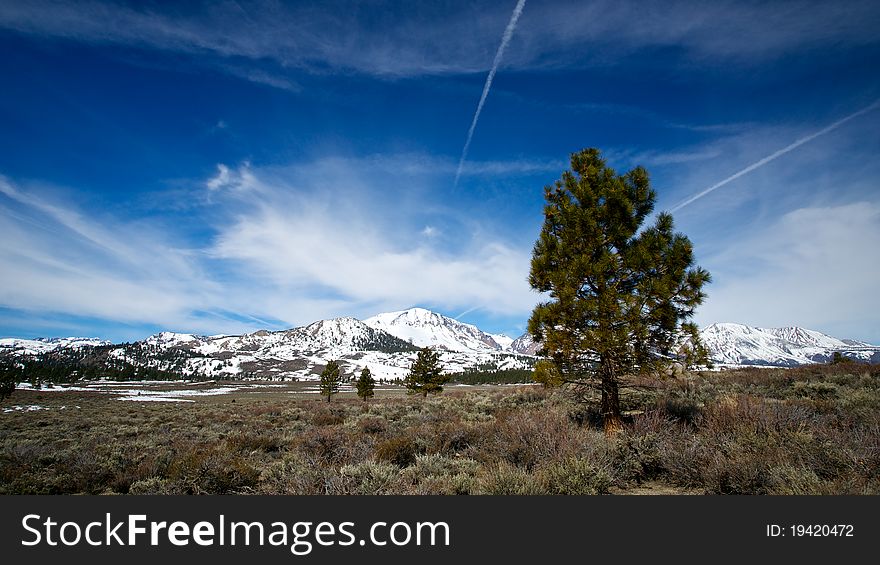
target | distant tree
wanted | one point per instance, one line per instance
(365, 384)
(7, 381)
(330, 379)
(837, 357)
(547, 374)
(425, 374)
(618, 295)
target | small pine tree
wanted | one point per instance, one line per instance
(330, 379)
(425, 374)
(837, 357)
(365, 384)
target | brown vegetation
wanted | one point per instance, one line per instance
(814, 430)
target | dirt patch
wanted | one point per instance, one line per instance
(654, 488)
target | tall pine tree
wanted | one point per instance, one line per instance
(619, 298)
(425, 374)
(330, 379)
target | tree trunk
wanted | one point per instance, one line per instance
(611, 416)
(328, 399)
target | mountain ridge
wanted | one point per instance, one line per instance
(386, 344)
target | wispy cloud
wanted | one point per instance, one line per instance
(441, 38)
(57, 258)
(298, 239)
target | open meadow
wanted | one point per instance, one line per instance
(811, 430)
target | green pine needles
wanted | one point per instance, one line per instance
(425, 374)
(331, 377)
(365, 384)
(620, 298)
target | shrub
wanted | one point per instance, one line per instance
(576, 476)
(368, 423)
(788, 479)
(816, 390)
(506, 479)
(369, 477)
(401, 451)
(300, 475)
(327, 418)
(638, 457)
(153, 485)
(328, 445)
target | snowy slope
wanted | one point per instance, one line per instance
(303, 352)
(44, 345)
(738, 344)
(525, 345)
(424, 328)
(503, 341)
(171, 339)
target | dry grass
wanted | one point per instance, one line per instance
(812, 430)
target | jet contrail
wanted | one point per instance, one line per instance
(468, 311)
(779, 153)
(505, 39)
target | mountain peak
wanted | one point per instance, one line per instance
(738, 344)
(424, 328)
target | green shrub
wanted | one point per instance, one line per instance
(369, 477)
(576, 476)
(816, 390)
(506, 479)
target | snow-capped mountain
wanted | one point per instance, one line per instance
(171, 339)
(738, 344)
(503, 341)
(303, 352)
(524, 345)
(44, 345)
(424, 328)
(387, 344)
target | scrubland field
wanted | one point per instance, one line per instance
(812, 430)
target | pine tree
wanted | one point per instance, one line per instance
(8, 377)
(547, 374)
(425, 374)
(365, 384)
(330, 379)
(618, 296)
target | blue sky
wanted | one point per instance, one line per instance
(231, 166)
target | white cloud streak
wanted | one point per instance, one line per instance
(298, 239)
(505, 39)
(775, 155)
(436, 38)
(57, 258)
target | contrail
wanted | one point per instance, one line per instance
(466, 312)
(779, 153)
(505, 39)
